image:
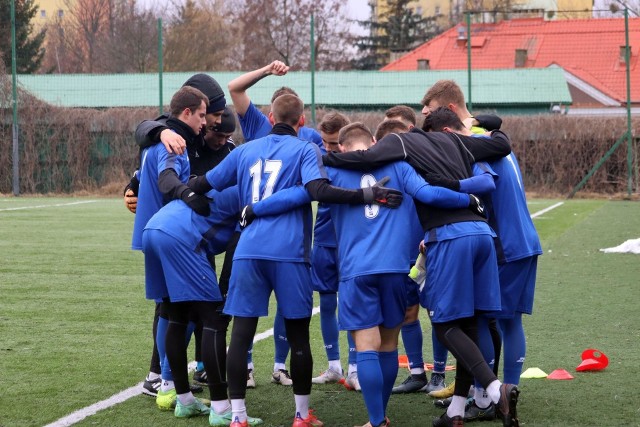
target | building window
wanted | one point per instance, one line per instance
(60, 13)
(43, 13)
(423, 64)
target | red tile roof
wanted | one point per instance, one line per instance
(587, 48)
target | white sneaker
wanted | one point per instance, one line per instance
(281, 376)
(351, 382)
(251, 381)
(328, 376)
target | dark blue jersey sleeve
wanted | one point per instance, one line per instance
(282, 201)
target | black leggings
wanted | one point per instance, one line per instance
(244, 329)
(460, 337)
(214, 343)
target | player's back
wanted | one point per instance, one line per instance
(373, 239)
(264, 167)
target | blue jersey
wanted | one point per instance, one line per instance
(264, 167)
(324, 234)
(509, 215)
(373, 239)
(209, 233)
(255, 124)
(155, 160)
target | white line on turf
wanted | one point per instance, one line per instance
(83, 413)
(48, 206)
(544, 211)
(127, 394)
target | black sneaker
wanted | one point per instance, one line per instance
(151, 387)
(473, 412)
(195, 388)
(443, 403)
(446, 421)
(506, 406)
(436, 382)
(413, 383)
(200, 377)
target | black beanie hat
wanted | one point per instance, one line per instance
(207, 85)
(228, 123)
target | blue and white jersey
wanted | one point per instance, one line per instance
(509, 215)
(264, 167)
(255, 124)
(155, 160)
(374, 239)
(209, 233)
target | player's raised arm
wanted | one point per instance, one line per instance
(238, 87)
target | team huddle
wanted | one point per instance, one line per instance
(446, 198)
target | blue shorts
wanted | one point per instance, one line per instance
(413, 292)
(324, 269)
(252, 281)
(173, 270)
(517, 286)
(462, 278)
(372, 300)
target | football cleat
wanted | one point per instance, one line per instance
(352, 382)
(327, 377)
(166, 400)
(446, 421)
(281, 376)
(413, 383)
(473, 412)
(310, 421)
(435, 383)
(251, 381)
(445, 392)
(506, 406)
(193, 410)
(151, 387)
(224, 419)
(200, 377)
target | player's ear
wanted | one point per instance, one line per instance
(301, 121)
(271, 119)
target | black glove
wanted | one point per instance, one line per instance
(199, 184)
(247, 216)
(382, 195)
(197, 202)
(133, 185)
(440, 181)
(476, 206)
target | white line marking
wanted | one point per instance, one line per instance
(127, 394)
(543, 211)
(48, 206)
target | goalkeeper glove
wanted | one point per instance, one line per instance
(476, 206)
(247, 216)
(197, 202)
(382, 195)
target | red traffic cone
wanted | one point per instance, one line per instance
(560, 374)
(589, 365)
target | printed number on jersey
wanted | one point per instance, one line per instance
(272, 170)
(370, 211)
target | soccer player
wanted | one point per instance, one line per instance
(148, 133)
(378, 280)
(518, 248)
(403, 113)
(162, 178)
(324, 270)
(255, 124)
(273, 252)
(451, 279)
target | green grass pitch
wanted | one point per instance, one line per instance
(75, 327)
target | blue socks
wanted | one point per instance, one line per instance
(412, 339)
(389, 367)
(440, 354)
(329, 325)
(353, 353)
(161, 335)
(372, 383)
(514, 348)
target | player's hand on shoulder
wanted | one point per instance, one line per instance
(173, 142)
(383, 196)
(197, 202)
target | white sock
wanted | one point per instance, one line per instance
(493, 390)
(152, 376)
(456, 408)
(481, 397)
(352, 368)
(239, 410)
(302, 405)
(334, 365)
(167, 385)
(250, 366)
(417, 371)
(220, 406)
(278, 366)
(186, 398)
